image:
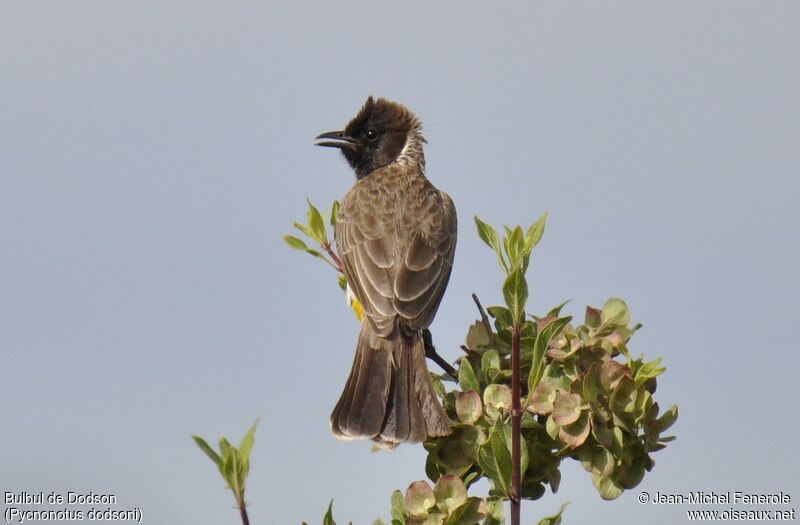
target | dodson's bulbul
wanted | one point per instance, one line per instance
(396, 235)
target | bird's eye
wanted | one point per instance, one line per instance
(372, 134)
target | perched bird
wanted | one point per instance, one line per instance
(396, 235)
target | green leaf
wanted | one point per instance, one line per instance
(593, 317)
(238, 474)
(469, 512)
(494, 511)
(502, 315)
(419, 498)
(435, 518)
(478, 337)
(508, 433)
(298, 244)
(489, 236)
(468, 406)
(535, 233)
(201, 443)
(335, 212)
(486, 232)
(399, 513)
(615, 312)
(315, 222)
(466, 377)
(327, 519)
(502, 454)
(224, 447)
(515, 248)
(543, 338)
(452, 454)
(648, 371)
(532, 238)
(630, 475)
(498, 396)
(450, 493)
(667, 419)
(229, 469)
(247, 445)
(556, 310)
(590, 386)
(515, 293)
(490, 360)
(567, 408)
(489, 466)
(531, 489)
(494, 458)
(542, 398)
(552, 428)
(438, 387)
(295, 243)
(469, 437)
(528, 331)
(611, 372)
(624, 396)
(597, 460)
(606, 486)
(305, 229)
(618, 443)
(555, 519)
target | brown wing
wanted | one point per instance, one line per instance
(423, 274)
(397, 267)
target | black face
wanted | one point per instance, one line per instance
(374, 138)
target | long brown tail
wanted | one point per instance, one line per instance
(389, 395)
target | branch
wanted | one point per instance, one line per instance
(326, 246)
(430, 353)
(516, 418)
(484, 319)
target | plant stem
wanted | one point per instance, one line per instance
(516, 417)
(430, 353)
(326, 246)
(484, 319)
(243, 511)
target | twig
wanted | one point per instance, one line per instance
(326, 246)
(484, 319)
(430, 353)
(243, 512)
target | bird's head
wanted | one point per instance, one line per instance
(382, 133)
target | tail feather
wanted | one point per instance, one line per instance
(360, 411)
(397, 420)
(389, 396)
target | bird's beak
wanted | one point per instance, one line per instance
(339, 140)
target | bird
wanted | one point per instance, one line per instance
(396, 237)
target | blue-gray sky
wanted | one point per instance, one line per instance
(152, 154)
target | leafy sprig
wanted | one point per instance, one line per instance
(233, 464)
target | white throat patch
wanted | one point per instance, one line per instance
(411, 154)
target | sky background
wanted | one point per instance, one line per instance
(152, 154)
